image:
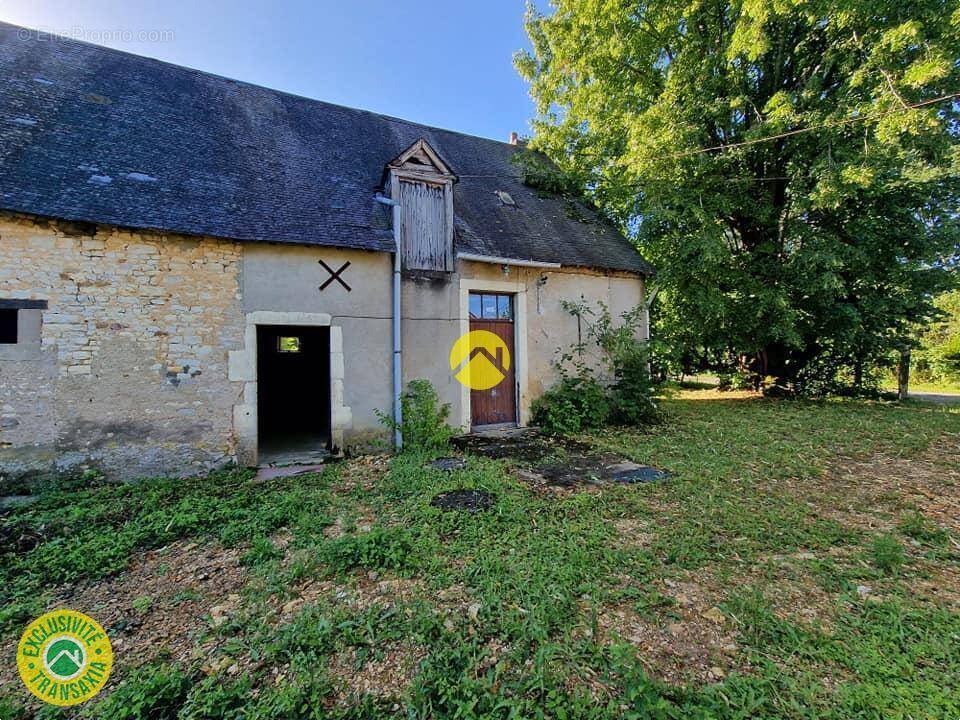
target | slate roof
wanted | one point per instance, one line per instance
(93, 134)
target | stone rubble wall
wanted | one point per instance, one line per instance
(144, 361)
(130, 376)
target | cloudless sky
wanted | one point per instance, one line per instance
(443, 63)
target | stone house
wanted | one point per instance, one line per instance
(196, 271)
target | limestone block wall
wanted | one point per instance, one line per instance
(144, 360)
(130, 372)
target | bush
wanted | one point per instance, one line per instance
(632, 392)
(575, 403)
(938, 357)
(424, 423)
(581, 401)
(735, 380)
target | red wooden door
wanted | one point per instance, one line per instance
(494, 313)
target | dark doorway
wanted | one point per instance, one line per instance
(497, 405)
(8, 327)
(293, 394)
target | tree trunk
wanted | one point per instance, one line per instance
(773, 363)
(903, 374)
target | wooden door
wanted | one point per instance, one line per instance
(497, 405)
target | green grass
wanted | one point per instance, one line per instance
(750, 497)
(91, 533)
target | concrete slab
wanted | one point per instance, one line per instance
(558, 461)
(271, 473)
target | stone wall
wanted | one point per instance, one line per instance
(144, 361)
(130, 374)
(288, 279)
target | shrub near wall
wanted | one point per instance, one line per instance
(424, 418)
(622, 394)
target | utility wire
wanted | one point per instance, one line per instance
(810, 128)
(788, 133)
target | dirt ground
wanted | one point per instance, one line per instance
(159, 606)
(929, 483)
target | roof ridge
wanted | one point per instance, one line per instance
(247, 83)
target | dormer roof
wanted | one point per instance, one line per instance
(421, 158)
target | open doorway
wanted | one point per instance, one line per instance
(293, 394)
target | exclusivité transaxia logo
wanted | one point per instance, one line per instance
(64, 657)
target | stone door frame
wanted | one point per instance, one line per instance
(518, 289)
(243, 368)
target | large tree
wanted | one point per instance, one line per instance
(791, 167)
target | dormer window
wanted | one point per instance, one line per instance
(423, 185)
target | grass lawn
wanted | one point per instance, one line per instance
(803, 561)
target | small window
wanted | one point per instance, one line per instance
(8, 327)
(288, 344)
(491, 307)
(489, 303)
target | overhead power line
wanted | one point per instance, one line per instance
(811, 128)
(788, 133)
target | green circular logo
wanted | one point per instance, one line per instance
(64, 658)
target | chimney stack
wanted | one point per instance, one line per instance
(514, 138)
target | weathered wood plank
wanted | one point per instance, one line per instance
(424, 240)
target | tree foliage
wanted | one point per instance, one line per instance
(822, 218)
(938, 358)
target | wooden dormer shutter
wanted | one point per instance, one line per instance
(423, 227)
(423, 185)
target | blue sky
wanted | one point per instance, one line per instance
(443, 63)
